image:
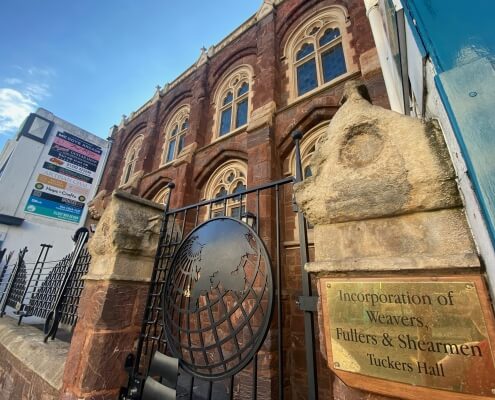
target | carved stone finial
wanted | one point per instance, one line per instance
(203, 57)
(123, 121)
(112, 132)
(266, 8)
(156, 96)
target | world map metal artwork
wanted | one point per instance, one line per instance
(217, 299)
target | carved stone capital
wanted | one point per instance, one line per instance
(126, 238)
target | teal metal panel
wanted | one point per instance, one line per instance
(455, 32)
(460, 39)
(469, 92)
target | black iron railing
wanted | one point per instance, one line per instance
(45, 290)
(177, 225)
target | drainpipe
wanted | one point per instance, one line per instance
(390, 75)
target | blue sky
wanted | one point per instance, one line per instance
(90, 61)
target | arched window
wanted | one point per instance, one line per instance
(308, 146)
(309, 143)
(130, 159)
(317, 51)
(161, 196)
(175, 133)
(228, 179)
(233, 102)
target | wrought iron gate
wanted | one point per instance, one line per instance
(212, 297)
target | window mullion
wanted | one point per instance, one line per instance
(234, 111)
(319, 66)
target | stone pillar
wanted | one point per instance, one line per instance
(383, 200)
(114, 297)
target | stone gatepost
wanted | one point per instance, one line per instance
(114, 297)
(385, 207)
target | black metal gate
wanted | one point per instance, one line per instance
(213, 303)
(44, 290)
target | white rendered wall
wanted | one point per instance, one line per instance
(17, 183)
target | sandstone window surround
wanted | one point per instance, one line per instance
(161, 196)
(130, 159)
(229, 178)
(233, 102)
(319, 53)
(175, 134)
(308, 145)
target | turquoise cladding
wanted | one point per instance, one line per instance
(459, 36)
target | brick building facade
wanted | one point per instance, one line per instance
(226, 123)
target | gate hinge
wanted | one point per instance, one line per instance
(307, 303)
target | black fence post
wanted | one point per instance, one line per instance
(306, 297)
(5, 266)
(10, 284)
(53, 318)
(40, 263)
(2, 254)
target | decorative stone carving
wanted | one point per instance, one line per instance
(97, 205)
(128, 233)
(123, 121)
(203, 57)
(266, 8)
(156, 96)
(383, 188)
(373, 162)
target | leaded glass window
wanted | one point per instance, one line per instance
(175, 132)
(333, 63)
(130, 159)
(233, 104)
(307, 77)
(225, 121)
(230, 178)
(318, 56)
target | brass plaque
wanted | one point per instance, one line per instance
(430, 334)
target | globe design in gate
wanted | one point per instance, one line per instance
(217, 299)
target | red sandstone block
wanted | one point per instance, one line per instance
(101, 365)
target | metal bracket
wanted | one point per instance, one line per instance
(307, 303)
